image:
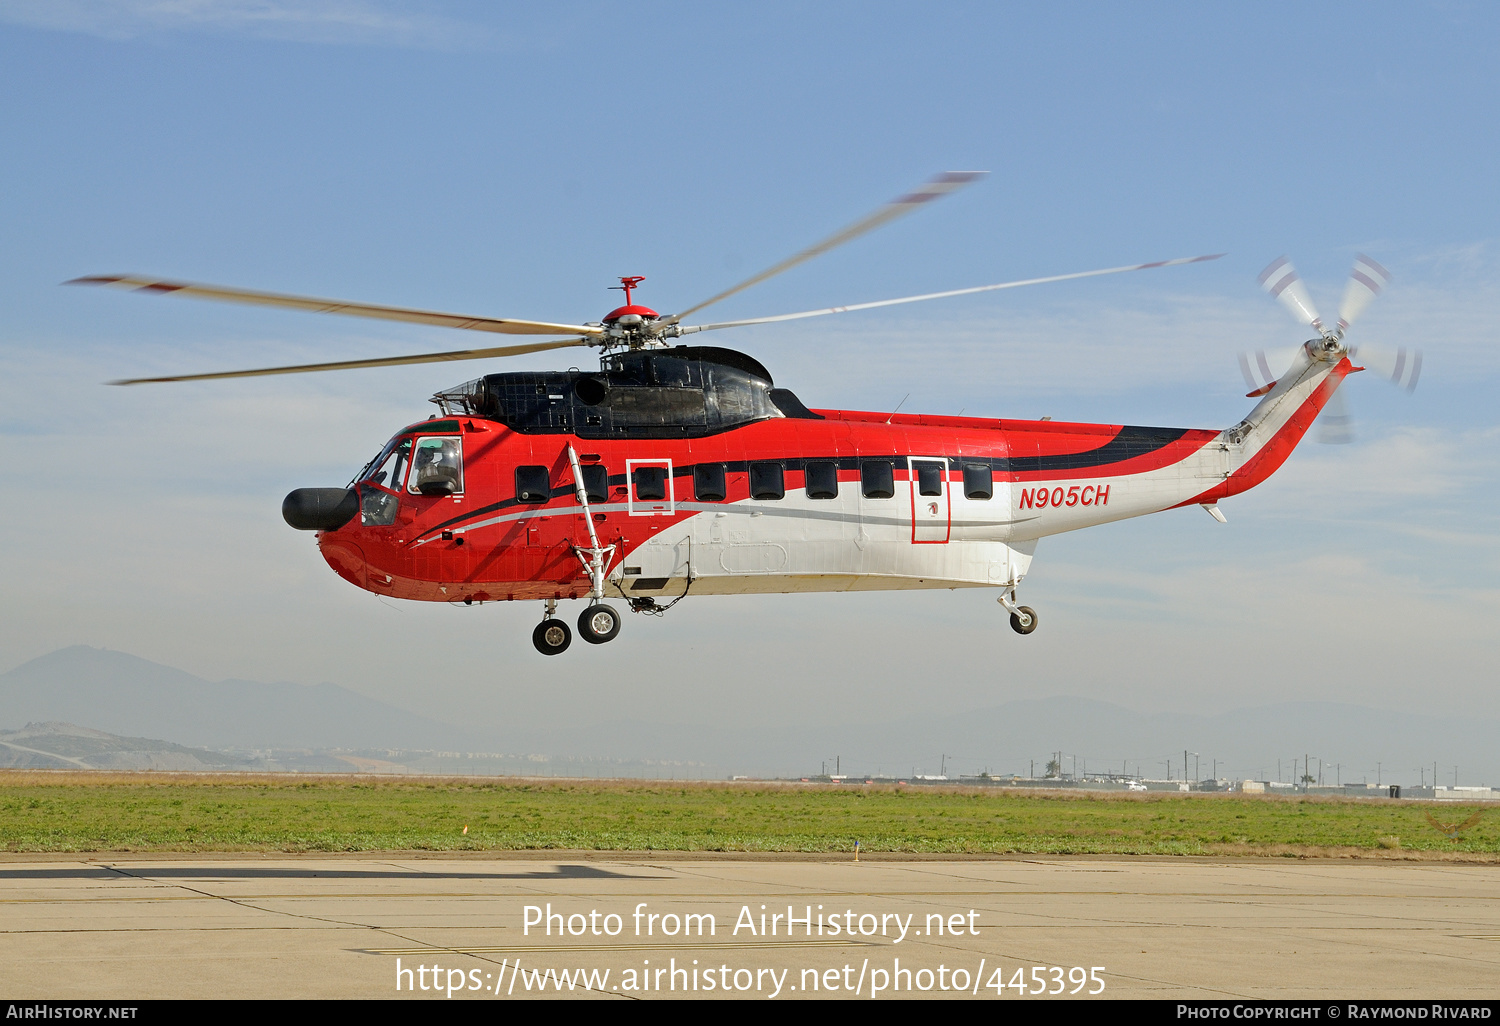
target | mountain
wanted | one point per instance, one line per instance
(124, 694)
(65, 746)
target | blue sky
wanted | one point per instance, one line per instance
(514, 160)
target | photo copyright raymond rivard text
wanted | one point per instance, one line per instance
(517, 975)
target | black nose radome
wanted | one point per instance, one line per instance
(320, 509)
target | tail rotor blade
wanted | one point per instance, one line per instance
(1366, 281)
(1281, 281)
(1262, 368)
(1336, 425)
(1400, 366)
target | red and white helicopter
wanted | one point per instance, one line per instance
(678, 469)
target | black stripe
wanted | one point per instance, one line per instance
(1130, 443)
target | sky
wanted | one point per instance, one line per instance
(514, 160)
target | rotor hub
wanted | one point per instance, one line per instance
(630, 326)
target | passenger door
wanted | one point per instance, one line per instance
(931, 510)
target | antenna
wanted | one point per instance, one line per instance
(898, 407)
(628, 284)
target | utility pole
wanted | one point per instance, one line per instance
(1377, 774)
(837, 761)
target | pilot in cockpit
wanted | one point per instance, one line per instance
(437, 469)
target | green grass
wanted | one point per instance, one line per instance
(81, 812)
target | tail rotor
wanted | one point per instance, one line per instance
(1261, 369)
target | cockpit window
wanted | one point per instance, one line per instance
(389, 468)
(437, 467)
(377, 508)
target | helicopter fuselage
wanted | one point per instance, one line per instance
(754, 493)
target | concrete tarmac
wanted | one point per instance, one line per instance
(323, 926)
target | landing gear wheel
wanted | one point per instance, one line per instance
(551, 637)
(1027, 627)
(598, 624)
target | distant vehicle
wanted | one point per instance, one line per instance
(1135, 785)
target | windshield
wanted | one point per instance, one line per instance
(389, 468)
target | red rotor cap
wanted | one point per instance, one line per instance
(627, 285)
(643, 311)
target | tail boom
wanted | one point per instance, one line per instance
(1266, 438)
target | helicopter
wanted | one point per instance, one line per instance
(678, 469)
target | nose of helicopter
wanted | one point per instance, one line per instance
(320, 509)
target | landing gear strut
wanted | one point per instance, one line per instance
(598, 623)
(1022, 618)
(551, 636)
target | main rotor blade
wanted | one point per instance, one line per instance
(385, 361)
(954, 292)
(941, 185)
(223, 294)
(1281, 281)
(1366, 281)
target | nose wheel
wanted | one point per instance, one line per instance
(598, 623)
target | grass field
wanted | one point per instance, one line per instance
(115, 812)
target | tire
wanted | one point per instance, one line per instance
(551, 637)
(598, 624)
(1015, 621)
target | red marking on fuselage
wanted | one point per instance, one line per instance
(529, 553)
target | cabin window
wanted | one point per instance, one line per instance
(650, 483)
(437, 468)
(979, 481)
(877, 479)
(822, 478)
(533, 484)
(708, 482)
(391, 471)
(767, 481)
(929, 476)
(595, 482)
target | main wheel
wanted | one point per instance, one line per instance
(551, 637)
(598, 624)
(1026, 628)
